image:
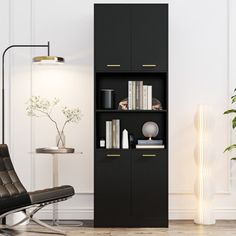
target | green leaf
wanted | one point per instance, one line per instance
(230, 111)
(234, 122)
(235, 90)
(233, 99)
(233, 159)
(229, 148)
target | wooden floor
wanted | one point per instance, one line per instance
(176, 228)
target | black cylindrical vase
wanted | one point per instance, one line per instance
(107, 99)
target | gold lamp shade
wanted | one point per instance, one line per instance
(51, 60)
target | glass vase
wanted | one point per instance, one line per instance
(61, 140)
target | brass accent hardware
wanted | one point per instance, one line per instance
(113, 155)
(113, 65)
(48, 60)
(149, 155)
(149, 65)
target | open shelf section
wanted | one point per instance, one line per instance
(119, 83)
(133, 123)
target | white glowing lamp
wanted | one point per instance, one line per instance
(203, 187)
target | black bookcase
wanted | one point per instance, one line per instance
(130, 185)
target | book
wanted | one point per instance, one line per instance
(150, 146)
(139, 95)
(149, 100)
(150, 142)
(113, 133)
(108, 134)
(133, 95)
(117, 133)
(145, 97)
(130, 96)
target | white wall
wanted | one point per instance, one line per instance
(202, 53)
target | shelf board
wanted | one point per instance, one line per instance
(129, 149)
(131, 111)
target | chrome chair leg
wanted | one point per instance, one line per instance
(39, 222)
(30, 216)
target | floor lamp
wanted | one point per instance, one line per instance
(37, 60)
(204, 184)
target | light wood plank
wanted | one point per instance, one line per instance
(176, 228)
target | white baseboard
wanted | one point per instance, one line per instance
(174, 214)
(188, 214)
(181, 214)
(67, 214)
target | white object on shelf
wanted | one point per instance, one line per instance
(102, 143)
(125, 139)
(204, 188)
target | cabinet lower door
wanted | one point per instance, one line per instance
(112, 188)
(150, 188)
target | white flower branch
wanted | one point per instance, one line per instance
(38, 105)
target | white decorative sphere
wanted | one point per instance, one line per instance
(150, 129)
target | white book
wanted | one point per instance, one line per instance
(137, 95)
(117, 133)
(145, 97)
(130, 97)
(141, 95)
(149, 97)
(108, 134)
(139, 146)
(113, 133)
(133, 95)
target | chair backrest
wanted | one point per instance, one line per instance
(13, 195)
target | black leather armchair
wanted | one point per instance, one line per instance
(15, 198)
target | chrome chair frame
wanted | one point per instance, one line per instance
(29, 215)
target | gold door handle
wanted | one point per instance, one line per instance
(149, 155)
(149, 65)
(113, 65)
(113, 155)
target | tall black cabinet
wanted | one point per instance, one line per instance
(130, 185)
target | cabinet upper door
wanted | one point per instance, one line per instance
(112, 37)
(149, 37)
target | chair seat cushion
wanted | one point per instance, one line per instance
(51, 194)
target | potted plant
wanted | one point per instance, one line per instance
(232, 111)
(41, 107)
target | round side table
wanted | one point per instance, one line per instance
(55, 154)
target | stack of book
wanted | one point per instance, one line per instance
(113, 134)
(150, 143)
(139, 96)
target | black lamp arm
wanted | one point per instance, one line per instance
(3, 75)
